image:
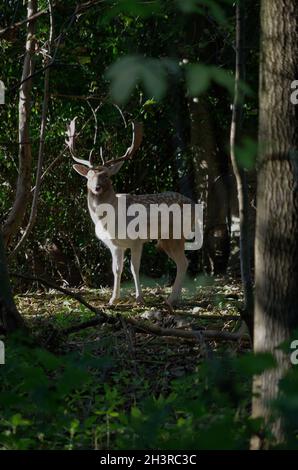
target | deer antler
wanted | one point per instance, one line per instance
(137, 136)
(70, 142)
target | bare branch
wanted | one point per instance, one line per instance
(94, 111)
(17, 25)
(78, 9)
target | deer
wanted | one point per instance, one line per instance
(100, 192)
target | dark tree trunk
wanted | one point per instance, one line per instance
(241, 180)
(276, 257)
(211, 185)
(10, 319)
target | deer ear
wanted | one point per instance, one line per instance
(81, 169)
(113, 169)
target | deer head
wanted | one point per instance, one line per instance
(99, 177)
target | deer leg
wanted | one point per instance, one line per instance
(136, 254)
(175, 250)
(117, 255)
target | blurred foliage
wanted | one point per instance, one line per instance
(81, 401)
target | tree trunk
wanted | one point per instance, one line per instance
(42, 135)
(276, 250)
(17, 212)
(241, 180)
(211, 186)
(10, 319)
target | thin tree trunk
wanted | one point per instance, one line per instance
(18, 210)
(10, 319)
(276, 250)
(45, 104)
(241, 181)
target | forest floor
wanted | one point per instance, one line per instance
(211, 304)
(117, 386)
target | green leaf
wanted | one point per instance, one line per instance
(17, 420)
(255, 364)
(130, 7)
(154, 78)
(127, 72)
(197, 78)
(246, 154)
(224, 78)
(199, 6)
(124, 75)
(84, 60)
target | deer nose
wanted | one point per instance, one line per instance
(98, 187)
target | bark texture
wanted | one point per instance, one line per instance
(276, 250)
(10, 319)
(17, 212)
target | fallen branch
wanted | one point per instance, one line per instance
(140, 326)
(185, 334)
(149, 328)
(64, 290)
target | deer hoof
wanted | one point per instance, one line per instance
(140, 300)
(169, 307)
(113, 301)
(172, 301)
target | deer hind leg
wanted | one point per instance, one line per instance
(118, 256)
(136, 254)
(175, 250)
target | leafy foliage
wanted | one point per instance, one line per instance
(81, 401)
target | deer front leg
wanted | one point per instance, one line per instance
(136, 254)
(117, 255)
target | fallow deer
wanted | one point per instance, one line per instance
(101, 192)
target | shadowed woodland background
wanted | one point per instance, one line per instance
(186, 142)
(211, 82)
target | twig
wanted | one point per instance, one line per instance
(23, 22)
(94, 111)
(81, 8)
